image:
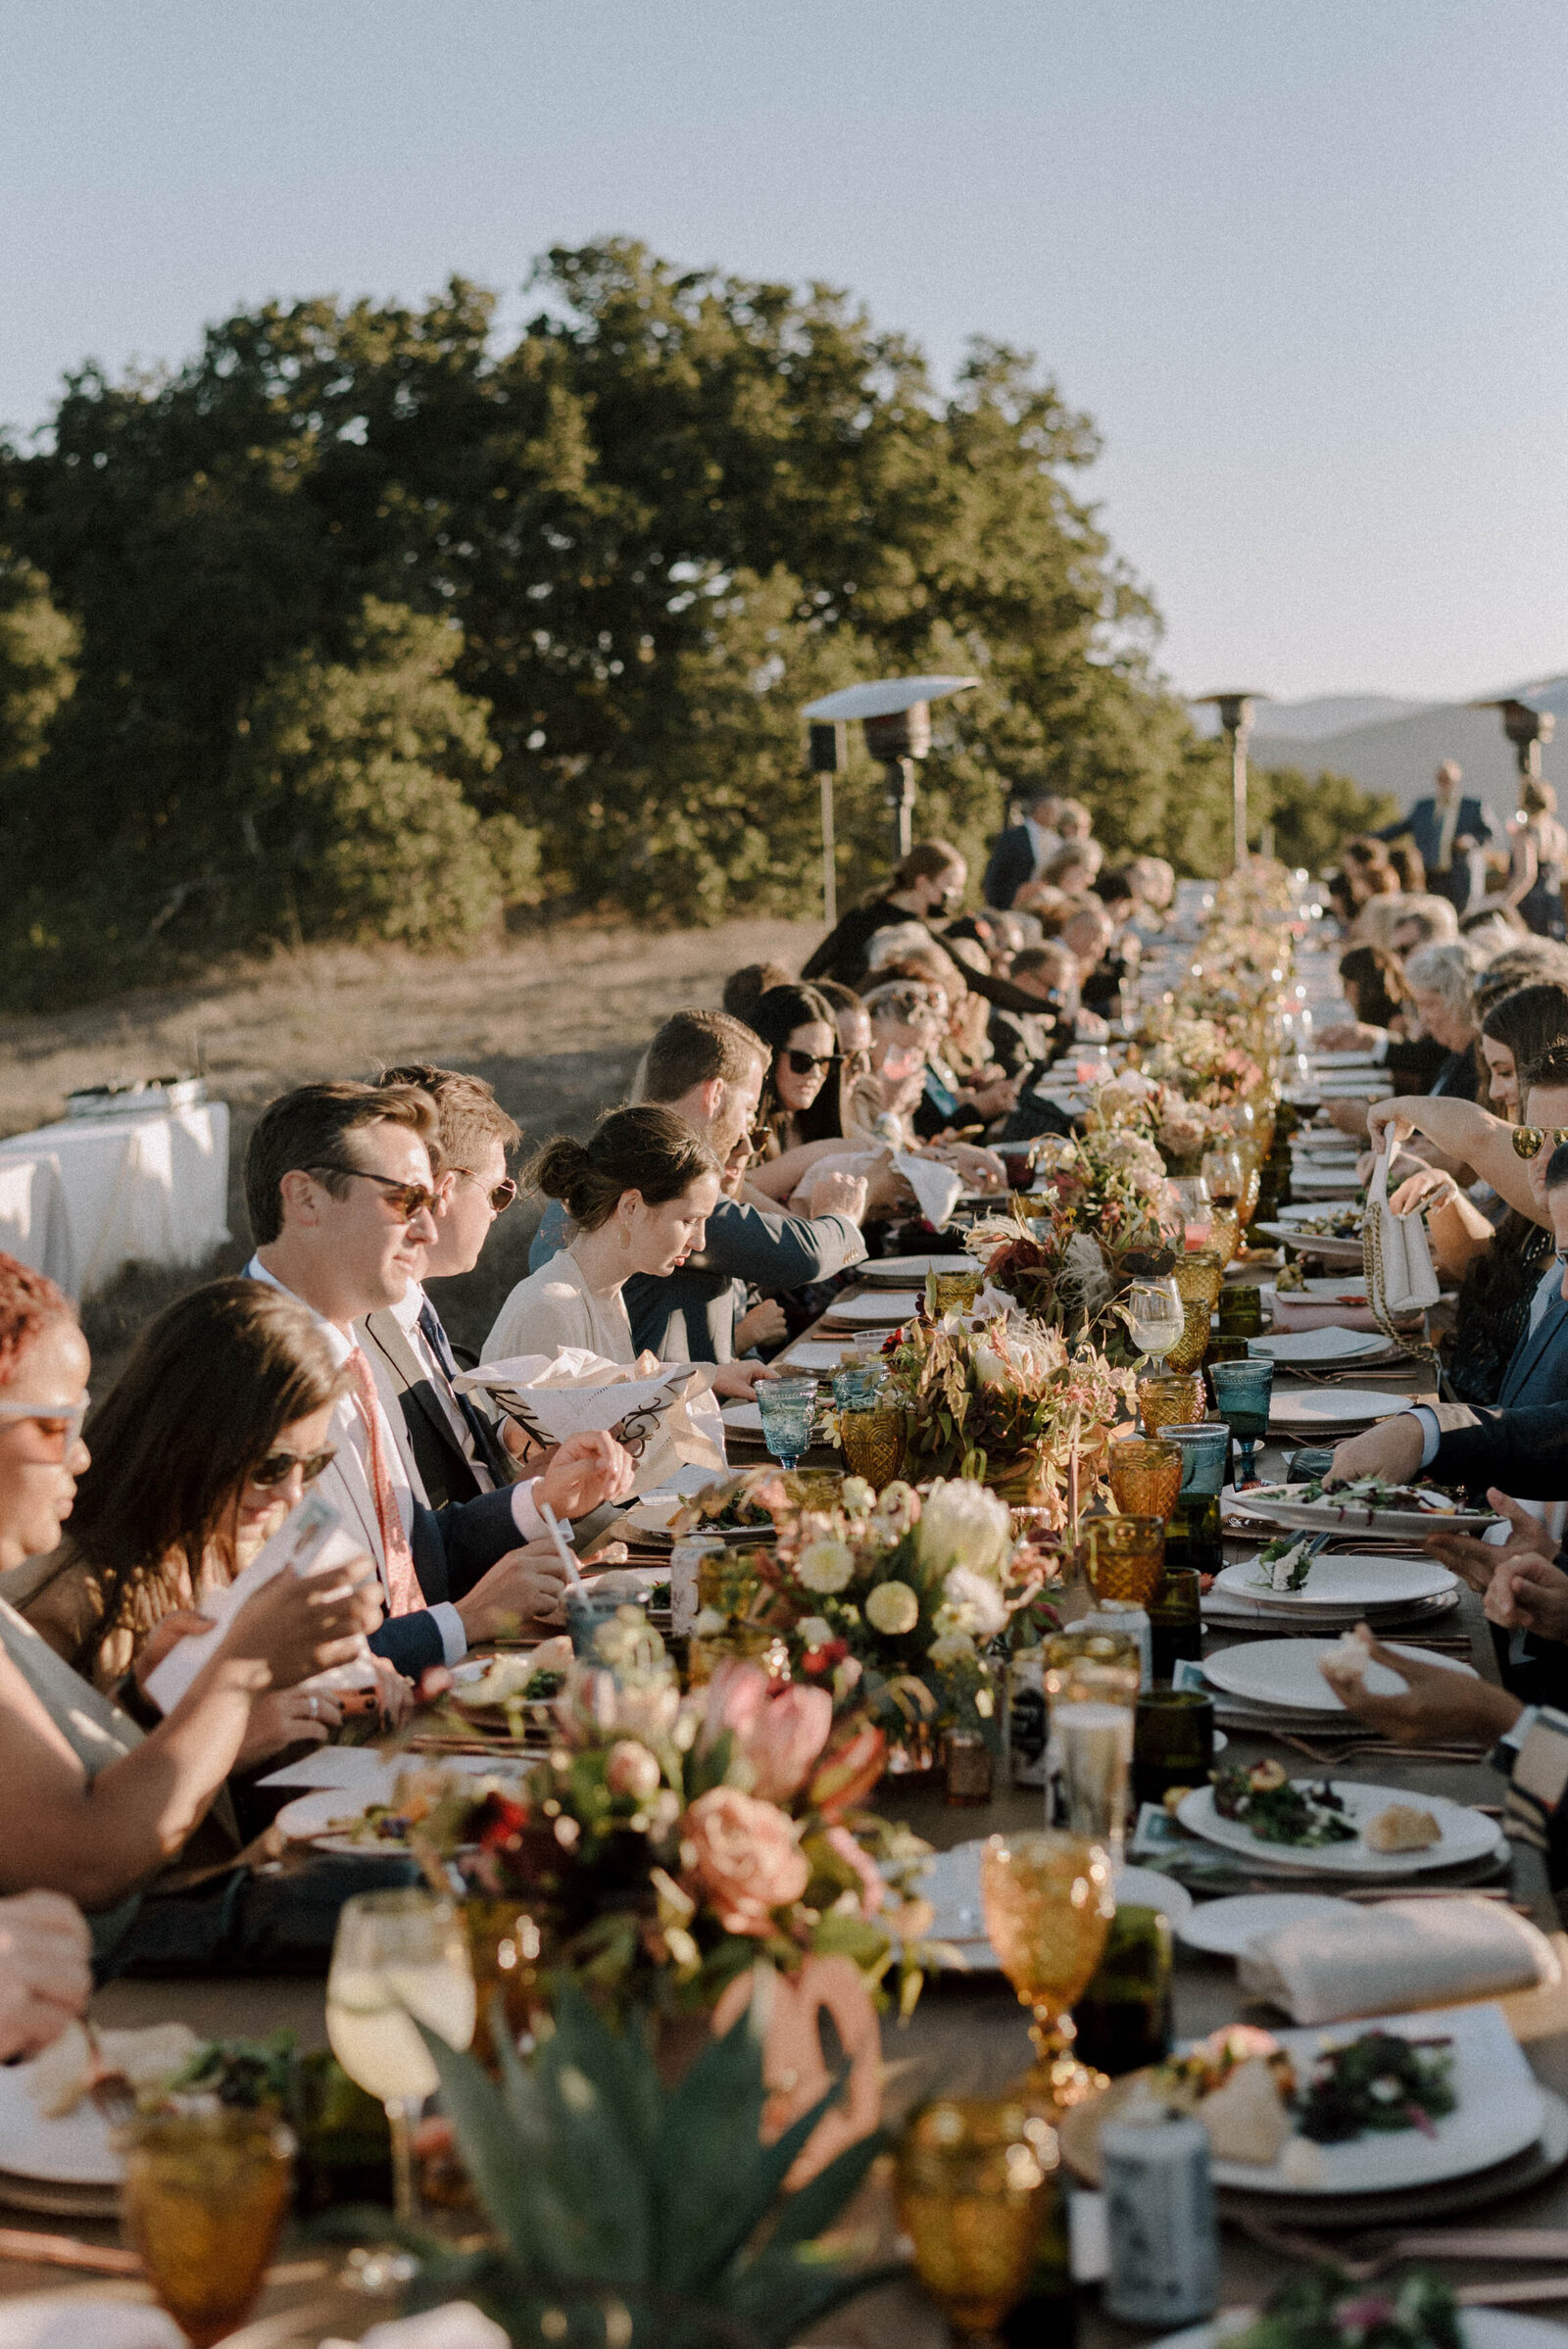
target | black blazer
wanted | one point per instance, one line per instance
(452, 1550)
(445, 1469)
(1011, 865)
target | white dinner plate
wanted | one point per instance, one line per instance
(951, 1884)
(1349, 1204)
(1342, 1060)
(1496, 2114)
(816, 1354)
(745, 1418)
(1319, 1408)
(73, 2151)
(1330, 1343)
(1346, 1581)
(1466, 1834)
(867, 1313)
(1274, 1503)
(1341, 1289)
(900, 1271)
(1225, 1926)
(1285, 1672)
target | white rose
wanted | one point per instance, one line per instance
(963, 1524)
(991, 1368)
(825, 1566)
(951, 1648)
(859, 1496)
(815, 1630)
(893, 1609)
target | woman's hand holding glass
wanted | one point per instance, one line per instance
(299, 1624)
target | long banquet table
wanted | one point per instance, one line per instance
(967, 2034)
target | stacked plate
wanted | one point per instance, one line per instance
(1272, 1684)
(1339, 1593)
(1323, 1414)
(876, 1309)
(1326, 1347)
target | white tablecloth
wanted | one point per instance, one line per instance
(132, 1190)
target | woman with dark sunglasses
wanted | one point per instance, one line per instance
(802, 1090)
(214, 1430)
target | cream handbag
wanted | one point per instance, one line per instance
(1400, 1278)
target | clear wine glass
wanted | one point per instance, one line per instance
(399, 1958)
(1158, 1316)
(1196, 1209)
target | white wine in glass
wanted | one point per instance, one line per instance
(399, 1957)
(1156, 1318)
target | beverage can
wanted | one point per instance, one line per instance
(1025, 1728)
(1160, 2224)
(685, 1558)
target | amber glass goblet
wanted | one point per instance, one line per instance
(203, 2197)
(1198, 1278)
(874, 1441)
(1124, 1557)
(1170, 1400)
(955, 1291)
(1146, 1476)
(1048, 1907)
(975, 2184)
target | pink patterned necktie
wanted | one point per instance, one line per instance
(404, 1595)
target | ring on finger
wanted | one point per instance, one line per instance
(309, 1706)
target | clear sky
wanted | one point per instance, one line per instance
(1303, 261)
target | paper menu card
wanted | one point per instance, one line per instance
(664, 1412)
(312, 1539)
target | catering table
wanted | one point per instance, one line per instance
(85, 1197)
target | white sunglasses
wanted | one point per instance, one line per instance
(70, 1414)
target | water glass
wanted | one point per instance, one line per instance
(955, 1291)
(1146, 1476)
(1155, 1316)
(975, 2185)
(1173, 1741)
(1092, 1662)
(1241, 1310)
(1089, 1763)
(1198, 1279)
(1242, 1392)
(1190, 1196)
(873, 1434)
(1124, 1557)
(1124, 2016)
(788, 1407)
(1175, 1612)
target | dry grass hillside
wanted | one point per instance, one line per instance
(556, 1023)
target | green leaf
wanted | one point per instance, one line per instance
(817, 2204)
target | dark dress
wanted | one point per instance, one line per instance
(1493, 1305)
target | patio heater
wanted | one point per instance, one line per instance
(1236, 713)
(895, 713)
(1529, 730)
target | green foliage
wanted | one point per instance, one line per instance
(611, 2193)
(676, 507)
(1312, 815)
(38, 647)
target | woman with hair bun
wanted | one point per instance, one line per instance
(639, 1192)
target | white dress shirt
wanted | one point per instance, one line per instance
(348, 1483)
(407, 1316)
(1045, 843)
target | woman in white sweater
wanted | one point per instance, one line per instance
(639, 1192)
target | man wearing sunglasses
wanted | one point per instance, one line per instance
(339, 1186)
(458, 1451)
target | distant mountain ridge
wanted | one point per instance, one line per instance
(1329, 713)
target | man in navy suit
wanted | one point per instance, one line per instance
(1445, 828)
(1022, 850)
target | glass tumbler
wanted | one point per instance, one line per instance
(976, 2180)
(1169, 1398)
(1173, 1741)
(1124, 1557)
(203, 2197)
(1241, 1310)
(1145, 1476)
(1242, 1392)
(788, 1407)
(1197, 1279)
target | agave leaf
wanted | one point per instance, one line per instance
(509, 2186)
(717, 2183)
(806, 2212)
(779, 2296)
(599, 2148)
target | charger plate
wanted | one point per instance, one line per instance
(1327, 1343)
(1313, 1244)
(1317, 1410)
(1284, 1672)
(871, 1312)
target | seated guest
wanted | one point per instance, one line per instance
(800, 1089)
(1374, 990)
(1405, 858)
(708, 1068)
(94, 1808)
(638, 1193)
(1023, 1041)
(854, 1028)
(1073, 870)
(456, 1448)
(1156, 883)
(744, 988)
(1443, 1059)
(211, 1433)
(1023, 850)
(339, 1185)
(1085, 929)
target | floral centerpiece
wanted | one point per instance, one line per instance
(1013, 1402)
(1201, 1056)
(902, 1603)
(666, 1843)
(1068, 1268)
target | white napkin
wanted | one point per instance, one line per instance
(937, 1188)
(1394, 1956)
(458, 2325)
(1399, 1261)
(312, 1539)
(55, 2321)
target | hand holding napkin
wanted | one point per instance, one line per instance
(1395, 1955)
(937, 1187)
(666, 1411)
